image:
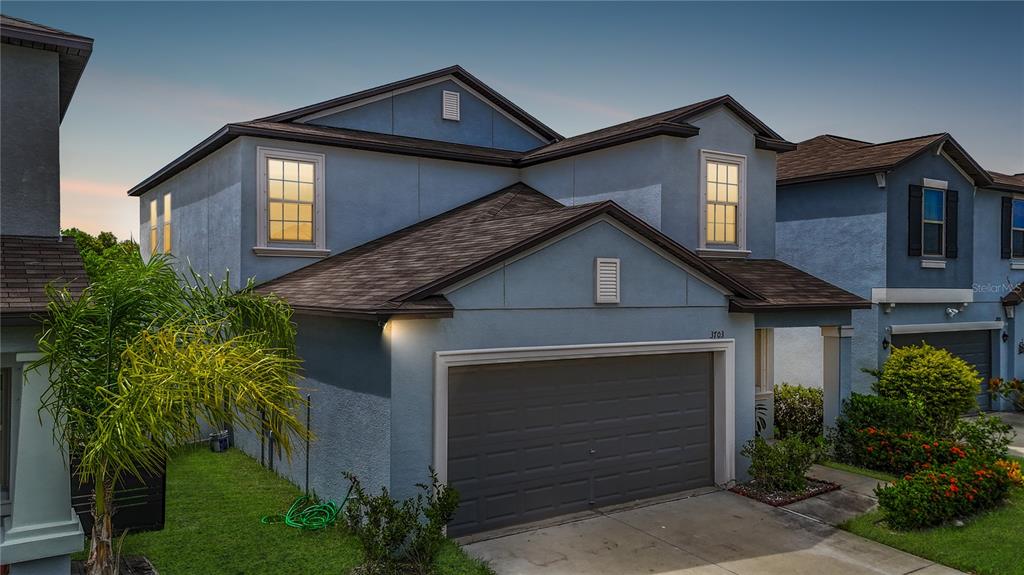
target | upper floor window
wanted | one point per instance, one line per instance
(154, 231)
(167, 223)
(291, 197)
(723, 197)
(1017, 229)
(934, 221)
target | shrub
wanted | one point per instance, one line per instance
(1010, 389)
(944, 383)
(901, 453)
(934, 496)
(782, 466)
(986, 436)
(863, 411)
(1012, 470)
(400, 536)
(798, 411)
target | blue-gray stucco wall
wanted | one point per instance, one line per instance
(346, 376)
(29, 142)
(206, 215)
(417, 113)
(547, 299)
(368, 195)
(658, 179)
(835, 230)
(904, 271)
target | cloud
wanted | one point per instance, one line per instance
(95, 206)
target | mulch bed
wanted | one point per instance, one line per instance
(814, 488)
(131, 565)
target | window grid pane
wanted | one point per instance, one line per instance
(723, 191)
(291, 197)
(153, 234)
(167, 223)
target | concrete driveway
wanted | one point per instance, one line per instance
(708, 533)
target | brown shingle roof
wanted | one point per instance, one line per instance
(671, 122)
(784, 287)
(28, 264)
(403, 272)
(1010, 183)
(827, 156)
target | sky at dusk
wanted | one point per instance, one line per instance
(163, 76)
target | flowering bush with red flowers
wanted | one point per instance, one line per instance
(934, 496)
(900, 453)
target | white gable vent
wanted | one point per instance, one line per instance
(450, 105)
(606, 280)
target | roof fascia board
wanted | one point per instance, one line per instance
(49, 39)
(675, 130)
(391, 93)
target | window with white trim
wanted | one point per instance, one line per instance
(933, 236)
(1017, 229)
(723, 196)
(154, 231)
(167, 223)
(291, 197)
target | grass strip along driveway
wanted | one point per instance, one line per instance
(991, 543)
(214, 505)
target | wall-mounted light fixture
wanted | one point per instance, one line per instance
(1020, 348)
(1008, 310)
(885, 343)
(1006, 337)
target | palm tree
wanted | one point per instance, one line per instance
(143, 357)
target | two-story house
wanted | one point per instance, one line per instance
(39, 69)
(552, 323)
(914, 226)
(999, 266)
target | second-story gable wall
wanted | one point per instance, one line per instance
(30, 142)
(659, 180)
(905, 271)
(367, 195)
(417, 113)
(206, 218)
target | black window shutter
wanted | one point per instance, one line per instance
(914, 215)
(1006, 226)
(952, 202)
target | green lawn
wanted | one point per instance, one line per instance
(214, 505)
(879, 475)
(988, 544)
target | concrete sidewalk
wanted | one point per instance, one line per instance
(856, 497)
(711, 533)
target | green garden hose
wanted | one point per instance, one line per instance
(307, 515)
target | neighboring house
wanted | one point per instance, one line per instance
(552, 323)
(999, 265)
(39, 69)
(914, 226)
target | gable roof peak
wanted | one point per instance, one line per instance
(456, 71)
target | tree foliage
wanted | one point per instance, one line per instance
(142, 357)
(100, 253)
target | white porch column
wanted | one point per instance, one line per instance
(836, 365)
(42, 525)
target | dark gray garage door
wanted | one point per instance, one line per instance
(974, 347)
(533, 440)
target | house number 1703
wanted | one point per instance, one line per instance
(717, 333)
